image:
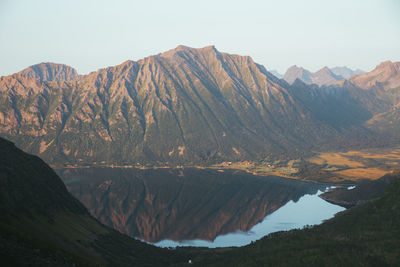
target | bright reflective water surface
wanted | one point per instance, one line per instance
(196, 207)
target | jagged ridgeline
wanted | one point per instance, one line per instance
(184, 106)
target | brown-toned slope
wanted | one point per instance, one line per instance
(384, 82)
(183, 106)
(386, 76)
(49, 72)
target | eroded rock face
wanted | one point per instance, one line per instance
(386, 76)
(184, 106)
(50, 72)
(180, 204)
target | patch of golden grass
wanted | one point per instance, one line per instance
(337, 159)
(354, 153)
(390, 156)
(317, 160)
(360, 173)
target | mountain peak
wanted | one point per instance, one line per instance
(386, 75)
(183, 48)
(295, 72)
(346, 72)
(324, 70)
(48, 71)
(324, 76)
(385, 63)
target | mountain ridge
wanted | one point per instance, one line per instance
(47, 71)
(184, 106)
(324, 76)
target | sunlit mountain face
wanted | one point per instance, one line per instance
(193, 107)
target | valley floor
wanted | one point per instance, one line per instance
(341, 168)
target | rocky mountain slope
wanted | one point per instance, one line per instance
(384, 82)
(385, 76)
(50, 72)
(185, 106)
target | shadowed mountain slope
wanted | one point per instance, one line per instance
(41, 224)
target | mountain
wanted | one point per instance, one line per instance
(346, 72)
(386, 76)
(323, 76)
(295, 72)
(384, 83)
(50, 72)
(41, 224)
(184, 106)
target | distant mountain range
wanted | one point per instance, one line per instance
(346, 72)
(324, 76)
(193, 106)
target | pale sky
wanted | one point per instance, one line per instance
(89, 35)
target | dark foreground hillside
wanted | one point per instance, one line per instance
(41, 224)
(366, 235)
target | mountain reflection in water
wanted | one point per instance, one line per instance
(181, 204)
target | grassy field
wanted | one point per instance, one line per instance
(347, 167)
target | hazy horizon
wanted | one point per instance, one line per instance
(96, 34)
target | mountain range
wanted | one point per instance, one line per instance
(324, 76)
(192, 106)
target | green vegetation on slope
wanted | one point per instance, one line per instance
(41, 224)
(366, 235)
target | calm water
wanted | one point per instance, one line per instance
(193, 207)
(309, 210)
